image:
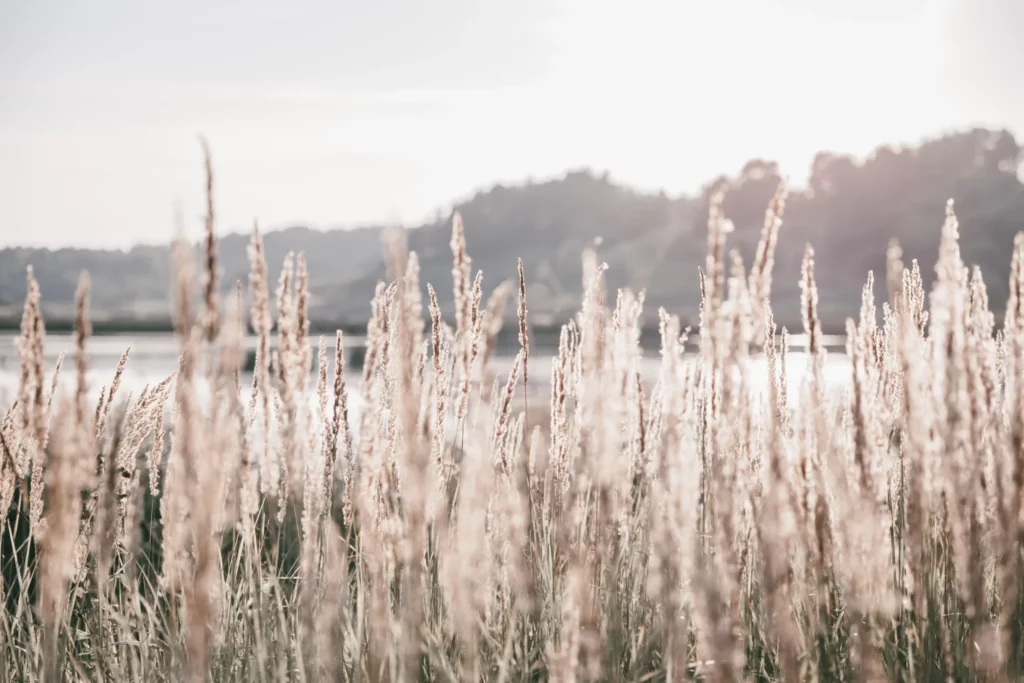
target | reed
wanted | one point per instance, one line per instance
(700, 527)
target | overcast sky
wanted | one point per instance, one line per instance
(351, 111)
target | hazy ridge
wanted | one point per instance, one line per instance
(849, 211)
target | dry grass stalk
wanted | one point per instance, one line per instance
(704, 526)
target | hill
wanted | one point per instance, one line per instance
(849, 210)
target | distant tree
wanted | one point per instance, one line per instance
(749, 194)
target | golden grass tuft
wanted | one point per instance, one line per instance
(702, 527)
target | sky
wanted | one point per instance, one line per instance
(347, 112)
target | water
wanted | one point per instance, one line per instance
(155, 356)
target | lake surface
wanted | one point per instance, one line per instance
(155, 356)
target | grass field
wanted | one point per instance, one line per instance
(693, 530)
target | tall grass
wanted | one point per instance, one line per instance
(700, 528)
